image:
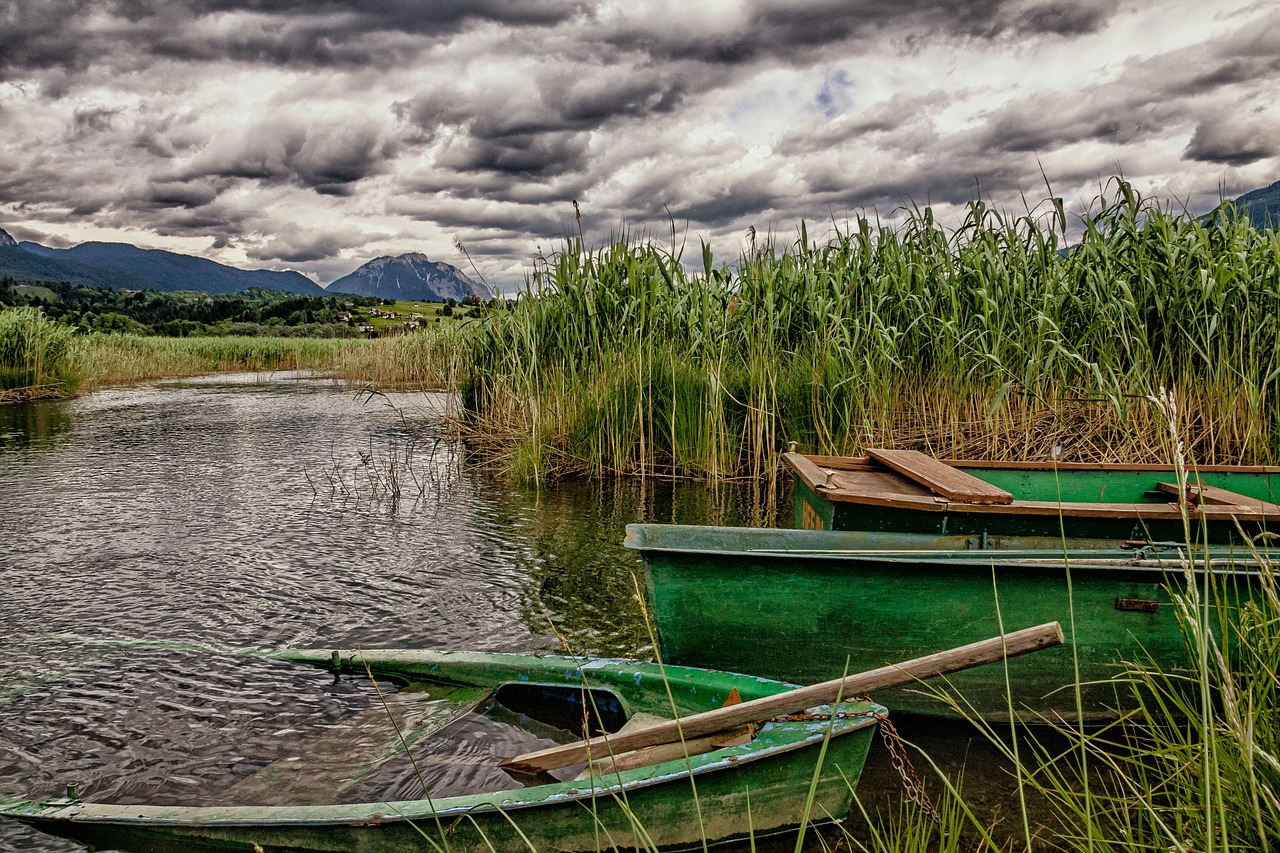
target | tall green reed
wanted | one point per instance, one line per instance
(992, 338)
(33, 355)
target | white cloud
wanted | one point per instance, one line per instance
(318, 140)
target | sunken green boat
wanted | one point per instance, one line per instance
(807, 605)
(757, 784)
(906, 491)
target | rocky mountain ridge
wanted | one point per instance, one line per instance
(413, 277)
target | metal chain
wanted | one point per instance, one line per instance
(902, 763)
(896, 748)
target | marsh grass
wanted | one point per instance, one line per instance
(1194, 767)
(988, 340)
(428, 360)
(33, 356)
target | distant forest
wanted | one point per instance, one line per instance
(188, 313)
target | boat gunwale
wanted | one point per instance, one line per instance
(776, 737)
(1111, 562)
(374, 813)
(866, 463)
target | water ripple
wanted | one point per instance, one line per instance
(151, 531)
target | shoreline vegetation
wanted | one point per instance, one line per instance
(40, 359)
(997, 339)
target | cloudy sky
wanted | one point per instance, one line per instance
(318, 134)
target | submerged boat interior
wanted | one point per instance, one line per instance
(433, 739)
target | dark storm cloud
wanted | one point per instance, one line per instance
(407, 15)
(181, 193)
(518, 155)
(1064, 19)
(744, 199)
(537, 130)
(1149, 97)
(494, 186)
(74, 34)
(955, 181)
(1054, 121)
(456, 215)
(93, 120)
(793, 31)
(204, 222)
(574, 97)
(296, 247)
(1228, 141)
(328, 159)
(1239, 59)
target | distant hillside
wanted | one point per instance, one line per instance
(6, 240)
(18, 263)
(411, 277)
(120, 265)
(1261, 206)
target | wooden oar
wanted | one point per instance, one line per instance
(791, 702)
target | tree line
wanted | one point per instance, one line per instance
(188, 313)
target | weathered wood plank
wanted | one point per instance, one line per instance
(650, 755)
(952, 483)
(1214, 496)
(711, 722)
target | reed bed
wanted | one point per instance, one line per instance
(424, 360)
(113, 359)
(33, 356)
(993, 339)
(430, 359)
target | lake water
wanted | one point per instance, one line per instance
(150, 532)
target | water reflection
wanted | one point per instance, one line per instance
(35, 425)
(144, 524)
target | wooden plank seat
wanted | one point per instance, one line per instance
(346, 755)
(940, 478)
(1199, 493)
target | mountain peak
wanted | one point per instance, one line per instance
(6, 239)
(411, 277)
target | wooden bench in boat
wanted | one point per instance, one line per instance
(350, 752)
(940, 478)
(1217, 497)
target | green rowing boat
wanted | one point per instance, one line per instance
(908, 492)
(757, 781)
(816, 602)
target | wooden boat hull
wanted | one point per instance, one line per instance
(807, 606)
(1115, 502)
(771, 775)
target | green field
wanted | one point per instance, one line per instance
(40, 291)
(407, 311)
